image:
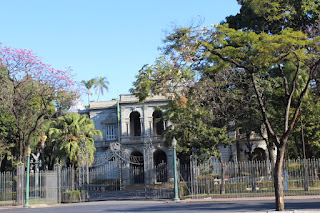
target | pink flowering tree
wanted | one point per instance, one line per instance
(32, 92)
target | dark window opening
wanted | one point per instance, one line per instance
(135, 125)
(160, 164)
(259, 154)
(158, 123)
(137, 167)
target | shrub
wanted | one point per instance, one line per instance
(234, 187)
(73, 196)
(8, 196)
(184, 191)
(205, 177)
(294, 167)
(265, 184)
(295, 184)
(314, 183)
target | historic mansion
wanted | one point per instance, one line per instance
(133, 133)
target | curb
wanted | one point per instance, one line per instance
(209, 199)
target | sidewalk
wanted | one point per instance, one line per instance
(222, 200)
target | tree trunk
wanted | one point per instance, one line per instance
(223, 179)
(21, 151)
(3, 162)
(253, 176)
(72, 178)
(278, 184)
(250, 158)
(2, 169)
(271, 150)
(223, 175)
(305, 164)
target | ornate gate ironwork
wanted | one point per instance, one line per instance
(108, 171)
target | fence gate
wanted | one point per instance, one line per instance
(50, 183)
(44, 187)
(117, 176)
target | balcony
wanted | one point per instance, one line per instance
(141, 139)
(129, 140)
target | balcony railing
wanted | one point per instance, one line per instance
(130, 139)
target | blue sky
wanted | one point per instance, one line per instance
(112, 39)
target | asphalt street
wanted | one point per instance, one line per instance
(305, 205)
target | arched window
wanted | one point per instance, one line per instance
(158, 127)
(259, 154)
(137, 167)
(160, 164)
(135, 126)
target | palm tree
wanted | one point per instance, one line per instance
(74, 135)
(88, 84)
(101, 83)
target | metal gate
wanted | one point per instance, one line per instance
(44, 187)
(117, 176)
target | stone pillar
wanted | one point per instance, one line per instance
(142, 126)
(127, 128)
(145, 120)
(148, 164)
(150, 128)
(125, 171)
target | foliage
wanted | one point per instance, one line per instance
(276, 15)
(278, 63)
(32, 92)
(99, 83)
(73, 135)
(310, 124)
(194, 129)
(7, 136)
(89, 84)
(164, 77)
(74, 196)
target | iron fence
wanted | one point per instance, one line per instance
(7, 192)
(197, 180)
(248, 179)
(109, 182)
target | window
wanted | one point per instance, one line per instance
(158, 127)
(135, 125)
(110, 132)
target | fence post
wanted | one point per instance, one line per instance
(20, 184)
(57, 169)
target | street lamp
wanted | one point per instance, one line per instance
(176, 195)
(28, 179)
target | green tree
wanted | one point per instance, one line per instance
(280, 65)
(100, 85)
(7, 136)
(308, 127)
(200, 113)
(197, 132)
(89, 84)
(276, 47)
(31, 93)
(272, 16)
(74, 135)
(288, 54)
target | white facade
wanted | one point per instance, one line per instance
(138, 131)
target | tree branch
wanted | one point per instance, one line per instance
(263, 111)
(293, 88)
